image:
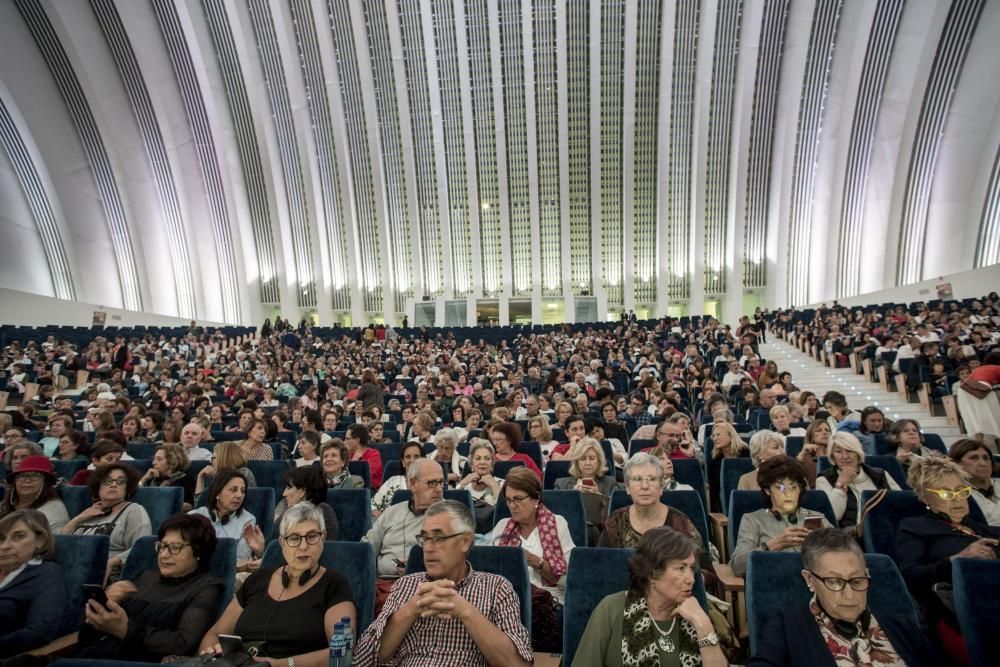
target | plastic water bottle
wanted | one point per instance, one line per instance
(338, 647)
(348, 640)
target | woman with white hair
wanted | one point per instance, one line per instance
(445, 452)
(763, 446)
(848, 477)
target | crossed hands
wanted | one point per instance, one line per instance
(438, 599)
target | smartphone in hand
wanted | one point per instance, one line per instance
(813, 522)
(96, 593)
(231, 644)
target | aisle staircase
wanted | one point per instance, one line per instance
(809, 374)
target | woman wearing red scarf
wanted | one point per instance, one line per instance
(546, 541)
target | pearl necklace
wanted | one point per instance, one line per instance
(664, 641)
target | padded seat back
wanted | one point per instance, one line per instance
(160, 502)
(794, 445)
(556, 470)
(271, 474)
(977, 589)
(729, 478)
(354, 560)
(84, 560)
(353, 508)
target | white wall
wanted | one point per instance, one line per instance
(964, 285)
(22, 308)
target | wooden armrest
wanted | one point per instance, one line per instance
(729, 580)
(60, 646)
(719, 519)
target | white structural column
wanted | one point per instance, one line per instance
(669, 13)
(699, 162)
(307, 161)
(469, 135)
(440, 164)
(562, 77)
(628, 154)
(597, 280)
(375, 153)
(746, 70)
(337, 117)
(531, 133)
(406, 138)
(496, 69)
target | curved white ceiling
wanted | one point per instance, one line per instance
(215, 158)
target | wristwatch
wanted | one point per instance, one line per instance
(711, 639)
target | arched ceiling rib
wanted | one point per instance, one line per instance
(349, 158)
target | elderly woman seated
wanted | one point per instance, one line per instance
(656, 621)
(445, 442)
(905, 436)
(670, 483)
(836, 626)
(977, 462)
(588, 471)
(166, 611)
(848, 477)
(335, 456)
(784, 524)
(32, 486)
(32, 595)
(170, 468)
(287, 613)
(764, 445)
(926, 545)
(547, 544)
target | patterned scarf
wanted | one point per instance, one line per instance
(639, 635)
(548, 535)
(871, 648)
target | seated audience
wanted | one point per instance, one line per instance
(32, 592)
(926, 545)
(849, 476)
(192, 436)
(547, 544)
(977, 462)
(906, 438)
(781, 420)
(254, 447)
(167, 610)
(781, 526)
(481, 482)
(815, 445)
(287, 613)
(670, 482)
(726, 443)
(170, 468)
(656, 621)
(411, 451)
(764, 445)
(357, 440)
(540, 431)
(223, 506)
(449, 614)
(589, 470)
(393, 533)
(308, 448)
(227, 456)
(32, 486)
(304, 485)
(335, 456)
(72, 447)
(836, 626)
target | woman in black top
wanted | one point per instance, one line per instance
(289, 611)
(165, 611)
(926, 545)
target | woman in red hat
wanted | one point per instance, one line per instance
(33, 486)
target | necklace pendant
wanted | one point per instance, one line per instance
(665, 644)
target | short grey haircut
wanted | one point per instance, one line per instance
(448, 434)
(462, 520)
(301, 512)
(828, 540)
(848, 442)
(640, 459)
(725, 413)
(413, 472)
(761, 438)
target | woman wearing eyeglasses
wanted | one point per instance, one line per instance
(287, 613)
(165, 611)
(836, 627)
(32, 486)
(113, 513)
(547, 544)
(782, 525)
(926, 545)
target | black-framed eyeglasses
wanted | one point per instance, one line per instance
(436, 540)
(837, 584)
(173, 548)
(115, 481)
(311, 538)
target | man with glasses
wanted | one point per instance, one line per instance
(836, 625)
(449, 614)
(392, 536)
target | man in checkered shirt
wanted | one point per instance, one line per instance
(450, 614)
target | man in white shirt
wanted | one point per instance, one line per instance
(191, 437)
